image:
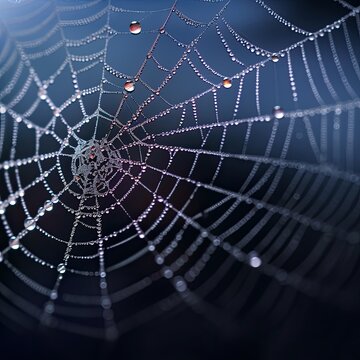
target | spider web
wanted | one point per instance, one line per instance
(117, 207)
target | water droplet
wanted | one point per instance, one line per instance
(275, 58)
(29, 224)
(129, 86)
(14, 243)
(2, 208)
(227, 83)
(254, 260)
(106, 303)
(338, 111)
(278, 112)
(61, 268)
(53, 295)
(161, 30)
(168, 274)
(12, 199)
(1, 257)
(42, 94)
(48, 206)
(180, 284)
(135, 27)
(2, 109)
(56, 112)
(216, 242)
(159, 260)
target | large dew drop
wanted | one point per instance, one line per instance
(129, 86)
(275, 58)
(48, 206)
(227, 83)
(254, 260)
(135, 27)
(29, 224)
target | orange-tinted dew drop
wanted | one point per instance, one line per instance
(227, 83)
(129, 86)
(135, 27)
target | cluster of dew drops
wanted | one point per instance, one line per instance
(129, 86)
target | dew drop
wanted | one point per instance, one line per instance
(29, 224)
(53, 295)
(48, 206)
(275, 58)
(106, 303)
(56, 112)
(254, 260)
(227, 83)
(14, 243)
(180, 284)
(61, 268)
(2, 109)
(12, 199)
(278, 112)
(168, 274)
(135, 27)
(129, 86)
(42, 94)
(159, 260)
(216, 242)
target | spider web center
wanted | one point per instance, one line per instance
(94, 165)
